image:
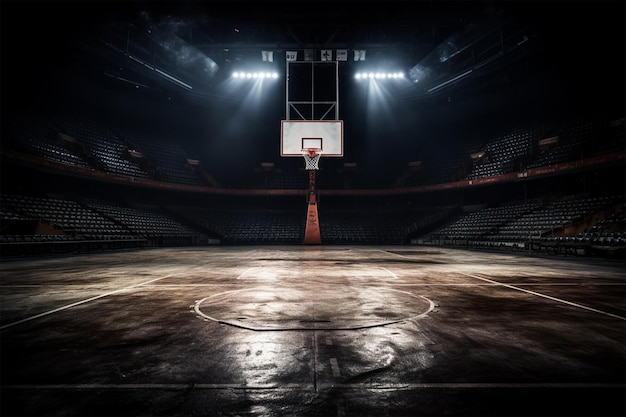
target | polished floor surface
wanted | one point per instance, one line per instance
(313, 331)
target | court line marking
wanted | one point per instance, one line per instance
(250, 326)
(545, 296)
(65, 307)
(334, 366)
(388, 252)
(262, 269)
(240, 276)
(530, 284)
(292, 386)
(432, 284)
(389, 272)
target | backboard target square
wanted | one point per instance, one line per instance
(296, 135)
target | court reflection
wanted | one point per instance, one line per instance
(329, 308)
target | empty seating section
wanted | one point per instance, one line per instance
(9, 239)
(582, 220)
(32, 135)
(345, 227)
(149, 224)
(16, 228)
(287, 181)
(504, 153)
(97, 221)
(337, 226)
(485, 222)
(550, 217)
(444, 164)
(551, 155)
(374, 226)
(518, 149)
(608, 231)
(168, 156)
(617, 138)
(576, 139)
(75, 220)
(109, 150)
(538, 221)
(256, 226)
(614, 222)
(83, 142)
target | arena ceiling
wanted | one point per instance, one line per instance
(202, 43)
(443, 43)
(477, 61)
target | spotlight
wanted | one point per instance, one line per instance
(379, 75)
(254, 75)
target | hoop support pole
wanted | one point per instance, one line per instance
(312, 234)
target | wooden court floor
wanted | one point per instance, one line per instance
(312, 331)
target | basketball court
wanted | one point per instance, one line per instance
(313, 331)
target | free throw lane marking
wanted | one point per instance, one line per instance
(65, 307)
(546, 296)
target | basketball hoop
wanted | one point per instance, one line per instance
(311, 158)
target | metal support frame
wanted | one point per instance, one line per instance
(306, 110)
(299, 107)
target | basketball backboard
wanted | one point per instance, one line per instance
(325, 135)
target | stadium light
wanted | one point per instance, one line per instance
(369, 75)
(259, 75)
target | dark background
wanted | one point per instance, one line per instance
(52, 60)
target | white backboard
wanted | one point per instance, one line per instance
(326, 135)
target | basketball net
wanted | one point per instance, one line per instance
(311, 158)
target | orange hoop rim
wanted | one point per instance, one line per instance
(312, 151)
